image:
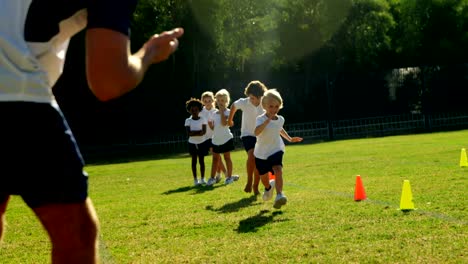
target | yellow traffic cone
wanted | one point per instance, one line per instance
(406, 202)
(463, 160)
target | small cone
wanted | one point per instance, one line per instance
(359, 193)
(406, 202)
(463, 160)
(271, 176)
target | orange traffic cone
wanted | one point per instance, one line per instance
(359, 193)
(271, 176)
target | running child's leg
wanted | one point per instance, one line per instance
(278, 170)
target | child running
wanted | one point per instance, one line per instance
(208, 112)
(195, 126)
(270, 148)
(222, 140)
(251, 108)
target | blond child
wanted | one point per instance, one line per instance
(208, 112)
(270, 147)
(223, 142)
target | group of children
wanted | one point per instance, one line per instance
(208, 128)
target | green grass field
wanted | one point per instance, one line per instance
(151, 213)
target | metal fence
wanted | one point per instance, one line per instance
(310, 131)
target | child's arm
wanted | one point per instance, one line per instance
(192, 133)
(286, 136)
(224, 120)
(231, 115)
(203, 130)
(211, 124)
(259, 128)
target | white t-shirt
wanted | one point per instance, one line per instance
(221, 134)
(269, 141)
(194, 126)
(249, 115)
(208, 115)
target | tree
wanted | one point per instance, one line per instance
(431, 32)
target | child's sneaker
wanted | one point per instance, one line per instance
(235, 177)
(268, 194)
(210, 182)
(196, 182)
(202, 181)
(280, 201)
(229, 180)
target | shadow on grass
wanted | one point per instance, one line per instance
(235, 206)
(197, 189)
(253, 223)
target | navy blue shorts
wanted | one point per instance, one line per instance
(265, 166)
(39, 158)
(226, 147)
(199, 149)
(249, 142)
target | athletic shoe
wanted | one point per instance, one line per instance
(280, 201)
(202, 181)
(235, 177)
(268, 194)
(196, 182)
(229, 180)
(210, 182)
(218, 178)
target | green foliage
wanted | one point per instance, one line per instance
(150, 212)
(431, 31)
(365, 34)
(249, 35)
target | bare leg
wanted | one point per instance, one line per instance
(265, 180)
(250, 170)
(278, 178)
(227, 159)
(201, 160)
(73, 230)
(256, 181)
(221, 167)
(216, 158)
(3, 205)
(194, 166)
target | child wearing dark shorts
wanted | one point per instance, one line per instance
(198, 144)
(270, 148)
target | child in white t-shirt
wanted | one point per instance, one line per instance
(270, 147)
(223, 142)
(251, 108)
(208, 112)
(198, 145)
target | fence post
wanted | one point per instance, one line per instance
(329, 87)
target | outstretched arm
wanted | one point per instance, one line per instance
(112, 70)
(286, 136)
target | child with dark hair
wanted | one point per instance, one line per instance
(196, 126)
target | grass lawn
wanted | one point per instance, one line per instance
(151, 213)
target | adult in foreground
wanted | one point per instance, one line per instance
(39, 157)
